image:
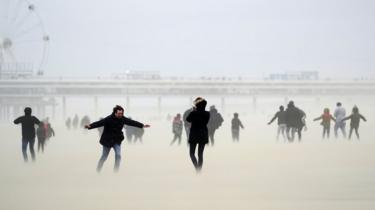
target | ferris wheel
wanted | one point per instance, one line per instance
(23, 39)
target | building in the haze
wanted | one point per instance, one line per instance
(138, 75)
(302, 75)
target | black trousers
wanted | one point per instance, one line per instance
(197, 164)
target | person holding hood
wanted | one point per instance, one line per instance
(198, 136)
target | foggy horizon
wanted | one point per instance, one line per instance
(209, 38)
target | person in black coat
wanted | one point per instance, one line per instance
(28, 132)
(112, 134)
(198, 118)
(295, 121)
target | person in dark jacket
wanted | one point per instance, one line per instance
(281, 122)
(295, 121)
(112, 134)
(28, 132)
(177, 129)
(198, 118)
(41, 134)
(236, 125)
(214, 123)
(355, 118)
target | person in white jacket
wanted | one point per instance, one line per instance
(340, 114)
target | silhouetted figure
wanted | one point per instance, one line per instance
(85, 121)
(236, 125)
(187, 125)
(48, 129)
(112, 134)
(41, 134)
(75, 122)
(326, 118)
(138, 134)
(198, 118)
(355, 118)
(28, 132)
(177, 129)
(68, 123)
(214, 123)
(129, 132)
(281, 122)
(295, 121)
(340, 114)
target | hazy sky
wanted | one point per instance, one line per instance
(210, 37)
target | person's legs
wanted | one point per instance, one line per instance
(103, 158)
(283, 128)
(343, 130)
(174, 139)
(350, 132)
(294, 130)
(212, 137)
(39, 144)
(299, 131)
(288, 130)
(356, 132)
(24, 149)
(238, 135)
(31, 147)
(192, 154)
(117, 148)
(43, 142)
(328, 131)
(200, 155)
(336, 128)
(179, 138)
(278, 132)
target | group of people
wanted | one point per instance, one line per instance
(292, 120)
(214, 123)
(75, 123)
(200, 126)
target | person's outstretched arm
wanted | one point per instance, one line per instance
(332, 118)
(18, 120)
(347, 118)
(241, 124)
(134, 123)
(96, 124)
(52, 131)
(36, 120)
(273, 119)
(362, 117)
(318, 118)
